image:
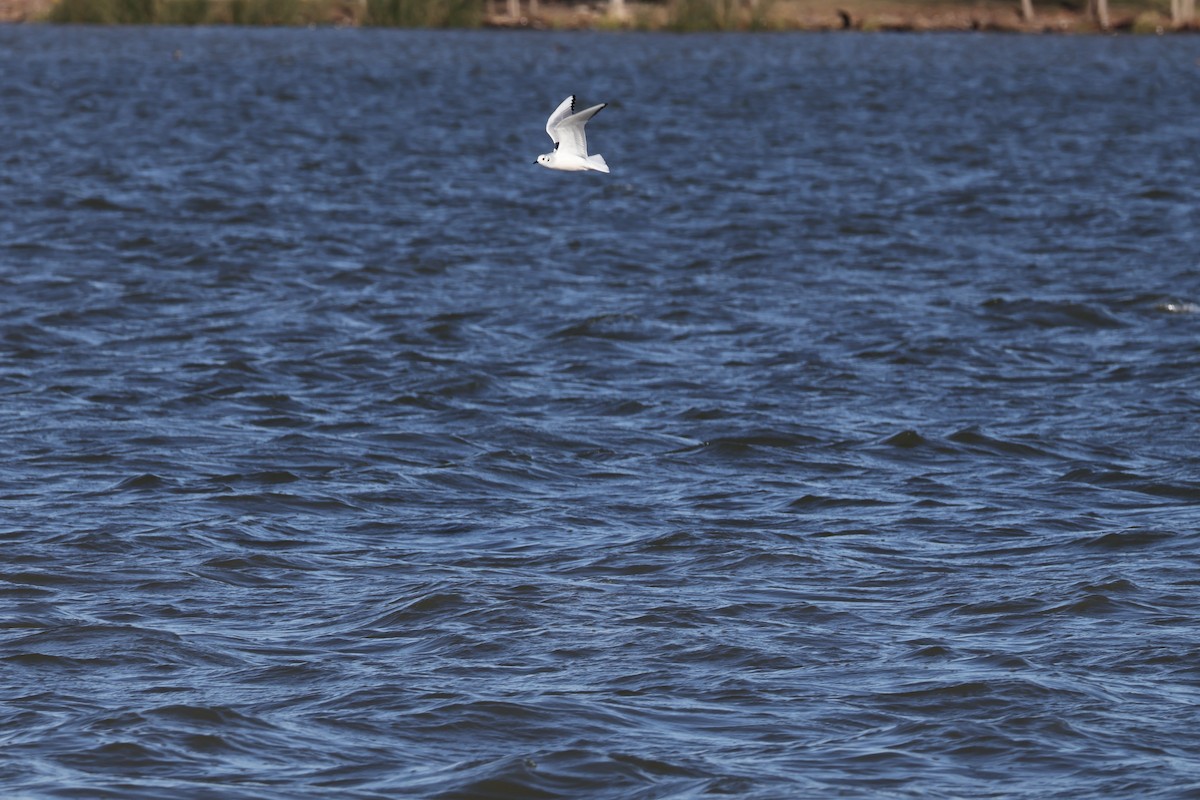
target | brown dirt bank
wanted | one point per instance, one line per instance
(1071, 16)
(866, 15)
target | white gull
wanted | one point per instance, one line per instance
(565, 127)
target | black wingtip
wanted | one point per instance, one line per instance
(572, 104)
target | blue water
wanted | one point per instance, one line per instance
(843, 442)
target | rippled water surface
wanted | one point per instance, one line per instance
(842, 442)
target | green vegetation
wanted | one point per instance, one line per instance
(188, 12)
(402, 13)
(425, 13)
(266, 12)
(700, 15)
(192, 12)
(1149, 22)
(720, 15)
(104, 12)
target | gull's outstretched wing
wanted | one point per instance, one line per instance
(569, 132)
(565, 109)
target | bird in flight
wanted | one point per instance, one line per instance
(565, 127)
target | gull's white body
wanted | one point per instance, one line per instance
(565, 127)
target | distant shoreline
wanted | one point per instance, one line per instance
(1143, 17)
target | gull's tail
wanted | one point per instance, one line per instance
(597, 163)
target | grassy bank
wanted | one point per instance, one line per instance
(402, 13)
(1136, 16)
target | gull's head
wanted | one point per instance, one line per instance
(544, 159)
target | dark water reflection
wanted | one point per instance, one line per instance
(841, 442)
